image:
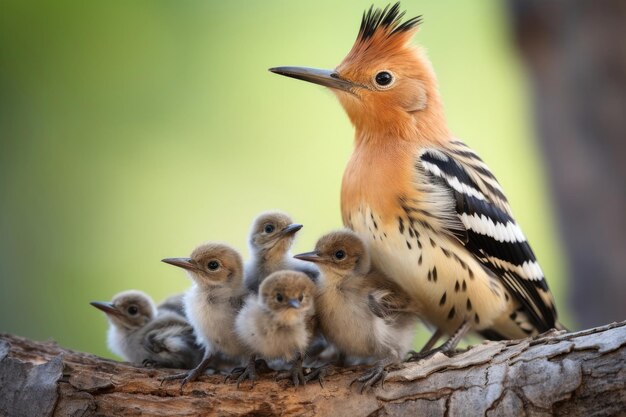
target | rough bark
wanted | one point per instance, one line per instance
(578, 374)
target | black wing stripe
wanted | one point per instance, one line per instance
(516, 253)
(492, 234)
(478, 165)
(451, 168)
(542, 315)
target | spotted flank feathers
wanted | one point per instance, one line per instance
(491, 233)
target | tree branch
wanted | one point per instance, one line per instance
(578, 374)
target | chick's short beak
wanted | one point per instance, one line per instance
(291, 230)
(107, 307)
(293, 303)
(185, 263)
(327, 78)
(309, 256)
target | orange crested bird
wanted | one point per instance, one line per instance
(434, 216)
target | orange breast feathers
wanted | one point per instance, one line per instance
(376, 176)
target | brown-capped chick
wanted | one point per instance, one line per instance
(271, 236)
(140, 335)
(278, 323)
(359, 310)
(127, 312)
(213, 302)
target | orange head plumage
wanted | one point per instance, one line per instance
(385, 84)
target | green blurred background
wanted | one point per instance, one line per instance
(131, 131)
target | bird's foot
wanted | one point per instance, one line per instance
(188, 376)
(319, 374)
(376, 375)
(418, 356)
(295, 374)
(242, 373)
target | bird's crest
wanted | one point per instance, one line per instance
(387, 21)
(382, 33)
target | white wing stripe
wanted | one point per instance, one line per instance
(529, 269)
(509, 232)
(453, 181)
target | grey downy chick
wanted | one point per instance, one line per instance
(270, 239)
(141, 336)
(279, 322)
(213, 302)
(359, 310)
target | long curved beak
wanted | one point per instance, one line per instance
(107, 307)
(185, 263)
(309, 256)
(290, 230)
(327, 78)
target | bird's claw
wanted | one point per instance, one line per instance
(371, 378)
(319, 374)
(242, 373)
(185, 376)
(295, 374)
(418, 356)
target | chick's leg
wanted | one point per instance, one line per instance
(243, 373)
(295, 373)
(375, 375)
(192, 374)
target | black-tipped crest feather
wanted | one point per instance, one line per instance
(388, 18)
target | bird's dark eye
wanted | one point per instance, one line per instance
(213, 265)
(383, 78)
(269, 228)
(340, 255)
(301, 297)
(132, 310)
(279, 297)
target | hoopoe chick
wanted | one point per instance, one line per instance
(359, 310)
(213, 302)
(278, 322)
(140, 335)
(271, 237)
(435, 218)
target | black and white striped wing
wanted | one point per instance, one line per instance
(492, 235)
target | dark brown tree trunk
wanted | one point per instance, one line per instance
(579, 374)
(576, 59)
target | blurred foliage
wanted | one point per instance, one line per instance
(131, 131)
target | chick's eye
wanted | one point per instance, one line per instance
(279, 297)
(132, 310)
(384, 78)
(301, 297)
(213, 265)
(340, 255)
(269, 228)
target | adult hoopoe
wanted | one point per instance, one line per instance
(435, 218)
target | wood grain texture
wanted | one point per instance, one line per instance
(577, 374)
